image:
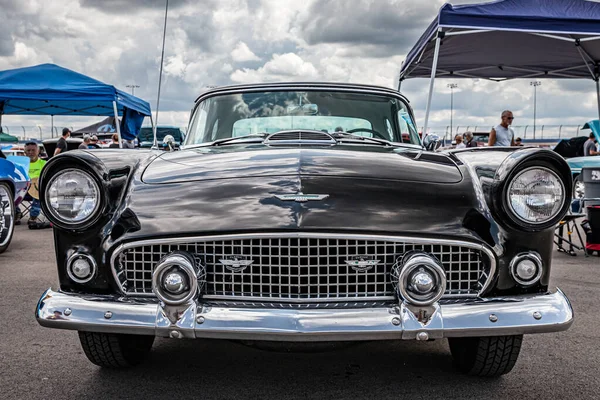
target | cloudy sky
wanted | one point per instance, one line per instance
(218, 42)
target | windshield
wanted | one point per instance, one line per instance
(242, 114)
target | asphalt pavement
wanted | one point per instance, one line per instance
(41, 363)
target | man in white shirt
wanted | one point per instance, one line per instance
(502, 134)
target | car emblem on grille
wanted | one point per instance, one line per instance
(236, 263)
(301, 197)
(362, 263)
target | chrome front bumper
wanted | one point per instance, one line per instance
(538, 313)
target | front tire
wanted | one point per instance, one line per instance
(110, 350)
(486, 356)
(7, 216)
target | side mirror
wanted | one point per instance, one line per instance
(169, 142)
(432, 142)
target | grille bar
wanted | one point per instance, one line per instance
(303, 267)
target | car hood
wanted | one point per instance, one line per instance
(234, 162)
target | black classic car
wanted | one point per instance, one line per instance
(306, 213)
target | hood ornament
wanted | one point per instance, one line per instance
(236, 263)
(301, 197)
(362, 263)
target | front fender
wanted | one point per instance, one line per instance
(16, 174)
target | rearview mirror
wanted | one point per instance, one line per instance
(304, 109)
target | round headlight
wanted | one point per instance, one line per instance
(72, 196)
(536, 195)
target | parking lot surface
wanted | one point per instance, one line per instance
(40, 363)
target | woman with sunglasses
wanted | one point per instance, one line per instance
(502, 134)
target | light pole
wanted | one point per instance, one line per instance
(452, 86)
(535, 84)
(133, 87)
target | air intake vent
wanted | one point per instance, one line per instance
(300, 137)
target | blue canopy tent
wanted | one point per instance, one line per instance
(48, 89)
(508, 39)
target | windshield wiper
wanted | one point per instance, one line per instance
(260, 136)
(342, 135)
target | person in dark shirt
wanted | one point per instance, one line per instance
(469, 142)
(115, 142)
(61, 145)
(2, 154)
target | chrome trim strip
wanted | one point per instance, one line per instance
(306, 235)
(515, 315)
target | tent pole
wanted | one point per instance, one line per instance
(117, 123)
(598, 94)
(154, 140)
(432, 80)
(52, 126)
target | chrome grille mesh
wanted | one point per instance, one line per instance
(301, 267)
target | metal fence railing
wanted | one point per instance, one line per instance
(525, 132)
(24, 132)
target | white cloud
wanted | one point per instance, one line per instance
(242, 53)
(287, 66)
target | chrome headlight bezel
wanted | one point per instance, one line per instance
(60, 220)
(524, 222)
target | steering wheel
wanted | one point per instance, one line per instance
(374, 132)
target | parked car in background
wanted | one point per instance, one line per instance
(146, 136)
(572, 150)
(306, 212)
(14, 181)
(50, 144)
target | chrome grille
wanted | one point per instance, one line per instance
(303, 267)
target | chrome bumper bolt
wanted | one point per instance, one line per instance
(200, 319)
(537, 315)
(175, 335)
(67, 312)
(396, 321)
(422, 336)
(108, 315)
(493, 317)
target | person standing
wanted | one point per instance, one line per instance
(115, 142)
(85, 144)
(61, 145)
(459, 142)
(93, 142)
(469, 142)
(589, 147)
(502, 134)
(36, 164)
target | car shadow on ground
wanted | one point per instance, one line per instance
(223, 369)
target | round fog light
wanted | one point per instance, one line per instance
(422, 282)
(419, 278)
(175, 278)
(175, 282)
(526, 268)
(81, 268)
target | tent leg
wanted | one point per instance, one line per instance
(52, 126)
(117, 124)
(432, 81)
(598, 95)
(154, 140)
